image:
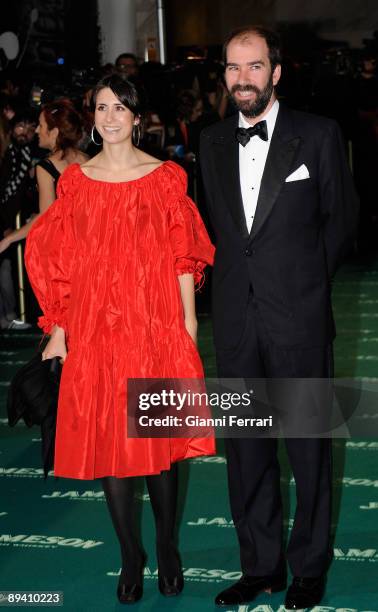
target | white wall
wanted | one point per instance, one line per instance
(117, 22)
(146, 27)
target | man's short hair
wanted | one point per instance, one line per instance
(126, 56)
(271, 38)
(24, 115)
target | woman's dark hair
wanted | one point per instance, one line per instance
(125, 90)
(63, 115)
(271, 38)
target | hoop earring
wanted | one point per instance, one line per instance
(92, 138)
(136, 134)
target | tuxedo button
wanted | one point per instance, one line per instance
(249, 252)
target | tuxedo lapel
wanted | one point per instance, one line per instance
(282, 152)
(226, 155)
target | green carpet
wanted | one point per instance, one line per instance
(56, 535)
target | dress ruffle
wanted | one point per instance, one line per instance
(58, 318)
(188, 266)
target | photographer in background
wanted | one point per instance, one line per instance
(15, 181)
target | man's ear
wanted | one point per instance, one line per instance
(276, 74)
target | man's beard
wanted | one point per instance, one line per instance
(253, 108)
(20, 141)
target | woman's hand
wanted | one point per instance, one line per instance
(186, 282)
(5, 244)
(56, 346)
(191, 326)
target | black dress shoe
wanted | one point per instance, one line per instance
(170, 587)
(304, 593)
(248, 587)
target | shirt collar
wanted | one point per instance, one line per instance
(270, 119)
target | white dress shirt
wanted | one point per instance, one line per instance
(252, 160)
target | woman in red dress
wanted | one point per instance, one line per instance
(113, 263)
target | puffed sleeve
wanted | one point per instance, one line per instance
(191, 245)
(49, 257)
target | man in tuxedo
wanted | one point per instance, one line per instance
(283, 207)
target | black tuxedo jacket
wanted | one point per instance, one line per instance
(301, 230)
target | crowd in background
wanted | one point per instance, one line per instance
(181, 99)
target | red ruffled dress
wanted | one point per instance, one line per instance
(103, 261)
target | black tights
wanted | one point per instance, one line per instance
(162, 489)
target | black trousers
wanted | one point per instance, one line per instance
(254, 471)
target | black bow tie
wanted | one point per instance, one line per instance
(243, 135)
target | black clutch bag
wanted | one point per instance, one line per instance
(33, 396)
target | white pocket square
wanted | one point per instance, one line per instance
(299, 174)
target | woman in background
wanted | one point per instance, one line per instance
(59, 130)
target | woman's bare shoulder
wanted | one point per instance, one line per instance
(89, 162)
(146, 159)
(82, 158)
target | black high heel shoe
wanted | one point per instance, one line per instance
(171, 586)
(130, 593)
